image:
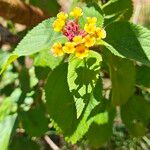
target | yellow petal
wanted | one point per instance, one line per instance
(81, 51)
(57, 49)
(58, 25)
(92, 20)
(100, 33)
(62, 16)
(89, 40)
(90, 28)
(76, 12)
(78, 39)
(69, 47)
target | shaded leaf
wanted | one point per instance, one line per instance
(130, 41)
(23, 143)
(42, 72)
(99, 133)
(122, 74)
(59, 100)
(24, 80)
(143, 76)
(50, 6)
(135, 119)
(35, 122)
(118, 9)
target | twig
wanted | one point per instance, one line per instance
(51, 143)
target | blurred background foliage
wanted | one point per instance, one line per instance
(21, 88)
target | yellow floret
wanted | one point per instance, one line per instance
(90, 28)
(89, 40)
(58, 25)
(57, 49)
(76, 12)
(100, 33)
(81, 51)
(62, 16)
(92, 20)
(69, 47)
(78, 39)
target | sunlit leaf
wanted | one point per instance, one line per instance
(6, 127)
(82, 77)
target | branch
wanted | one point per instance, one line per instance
(19, 12)
(51, 143)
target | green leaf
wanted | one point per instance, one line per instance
(24, 80)
(40, 38)
(61, 106)
(99, 134)
(11, 58)
(51, 6)
(130, 41)
(5, 108)
(82, 77)
(143, 76)
(122, 74)
(87, 117)
(59, 100)
(118, 9)
(6, 127)
(45, 59)
(42, 72)
(135, 119)
(109, 47)
(23, 143)
(9, 105)
(3, 57)
(93, 11)
(35, 122)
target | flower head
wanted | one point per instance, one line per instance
(76, 13)
(57, 49)
(79, 40)
(69, 48)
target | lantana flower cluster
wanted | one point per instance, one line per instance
(79, 40)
